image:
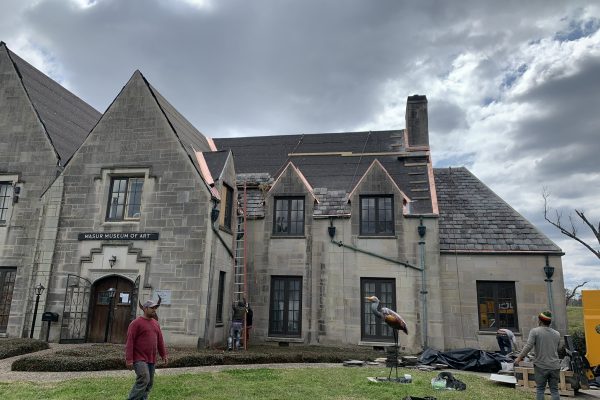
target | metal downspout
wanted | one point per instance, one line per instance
(422, 230)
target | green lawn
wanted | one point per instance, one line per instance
(306, 383)
(575, 318)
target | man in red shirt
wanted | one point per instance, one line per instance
(144, 339)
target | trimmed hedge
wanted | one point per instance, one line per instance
(97, 357)
(11, 347)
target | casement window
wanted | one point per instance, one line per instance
(228, 212)
(377, 215)
(285, 310)
(6, 194)
(7, 284)
(497, 303)
(373, 328)
(288, 218)
(219, 318)
(125, 198)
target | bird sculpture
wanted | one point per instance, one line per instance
(394, 321)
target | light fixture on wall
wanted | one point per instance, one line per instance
(112, 260)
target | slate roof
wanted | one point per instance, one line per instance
(190, 138)
(187, 133)
(215, 160)
(66, 118)
(474, 219)
(344, 158)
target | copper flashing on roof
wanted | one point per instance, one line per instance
(376, 162)
(302, 178)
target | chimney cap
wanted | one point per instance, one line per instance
(415, 98)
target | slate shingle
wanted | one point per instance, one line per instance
(473, 217)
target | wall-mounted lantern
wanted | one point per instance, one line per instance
(112, 260)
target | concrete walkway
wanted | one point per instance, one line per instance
(6, 375)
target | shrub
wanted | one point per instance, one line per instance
(96, 357)
(12, 347)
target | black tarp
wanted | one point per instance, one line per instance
(466, 359)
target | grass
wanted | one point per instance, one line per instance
(574, 318)
(290, 384)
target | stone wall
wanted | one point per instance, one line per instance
(29, 162)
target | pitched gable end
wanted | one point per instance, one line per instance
(290, 172)
(66, 119)
(377, 168)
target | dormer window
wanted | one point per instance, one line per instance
(125, 199)
(377, 215)
(289, 216)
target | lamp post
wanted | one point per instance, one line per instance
(39, 289)
(549, 272)
(111, 294)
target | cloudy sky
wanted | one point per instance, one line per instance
(513, 86)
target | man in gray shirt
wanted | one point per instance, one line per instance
(546, 365)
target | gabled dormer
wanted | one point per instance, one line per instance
(290, 203)
(377, 203)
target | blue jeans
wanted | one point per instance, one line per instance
(235, 333)
(144, 380)
(504, 344)
(541, 376)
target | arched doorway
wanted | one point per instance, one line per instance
(111, 328)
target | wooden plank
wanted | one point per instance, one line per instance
(526, 381)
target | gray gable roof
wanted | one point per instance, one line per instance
(333, 163)
(66, 118)
(474, 219)
(215, 160)
(187, 133)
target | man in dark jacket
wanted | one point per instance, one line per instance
(237, 324)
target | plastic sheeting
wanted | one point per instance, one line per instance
(466, 359)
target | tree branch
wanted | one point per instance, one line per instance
(572, 232)
(570, 293)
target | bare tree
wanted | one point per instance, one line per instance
(571, 229)
(570, 293)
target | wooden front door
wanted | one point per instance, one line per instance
(113, 328)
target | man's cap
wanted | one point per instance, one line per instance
(150, 304)
(545, 316)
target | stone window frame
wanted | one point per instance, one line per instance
(287, 291)
(383, 332)
(377, 222)
(491, 290)
(106, 180)
(8, 201)
(289, 200)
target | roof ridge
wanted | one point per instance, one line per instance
(164, 113)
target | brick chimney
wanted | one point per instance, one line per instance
(417, 129)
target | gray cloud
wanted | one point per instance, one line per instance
(275, 67)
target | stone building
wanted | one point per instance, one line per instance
(105, 209)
